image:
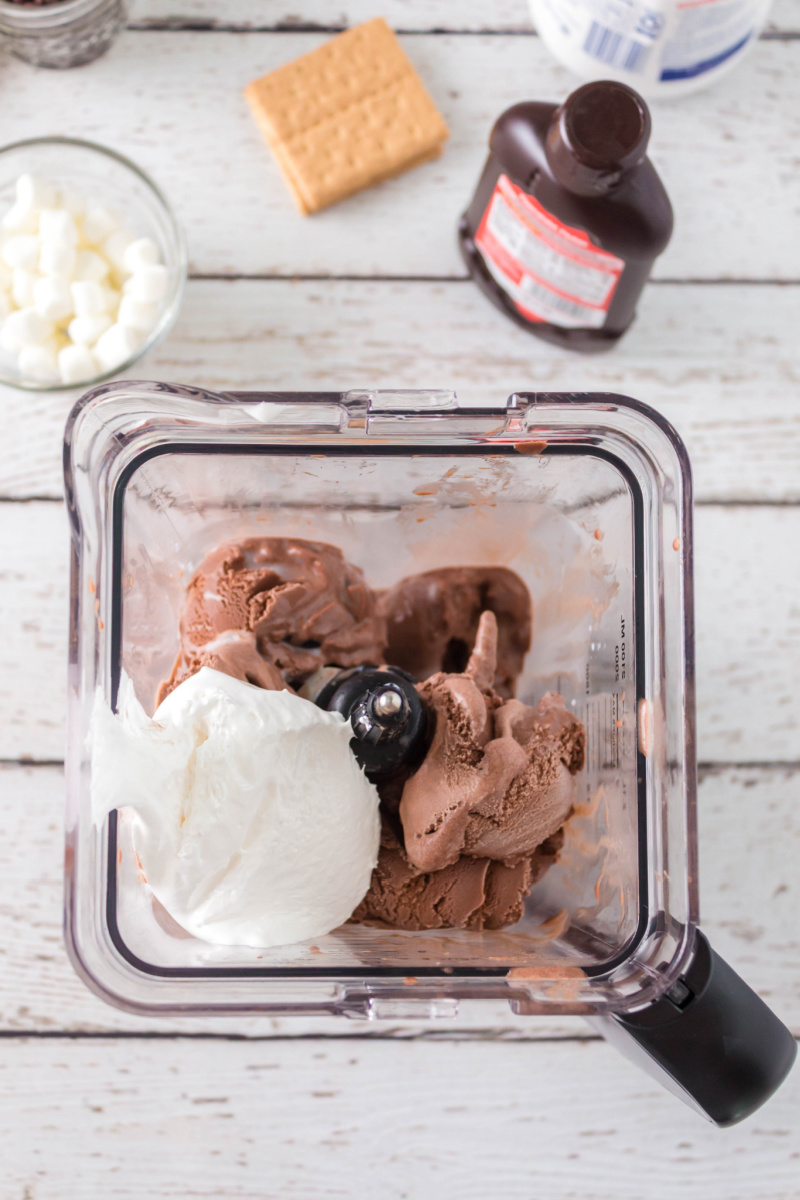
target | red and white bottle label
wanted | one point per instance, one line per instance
(552, 272)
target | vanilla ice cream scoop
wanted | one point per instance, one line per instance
(253, 822)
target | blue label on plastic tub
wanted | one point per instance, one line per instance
(708, 64)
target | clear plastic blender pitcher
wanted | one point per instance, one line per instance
(588, 499)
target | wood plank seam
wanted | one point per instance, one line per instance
(387, 1034)
(179, 25)
(235, 276)
(312, 27)
(449, 1036)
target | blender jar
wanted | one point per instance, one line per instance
(588, 499)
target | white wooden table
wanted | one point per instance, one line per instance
(96, 1103)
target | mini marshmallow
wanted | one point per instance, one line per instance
(112, 297)
(52, 298)
(57, 225)
(114, 247)
(38, 363)
(137, 314)
(21, 220)
(21, 251)
(90, 267)
(22, 287)
(73, 202)
(140, 253)
(33, 192)
(100, 222)
(57, 258)
(24, 327)
(149, 283)
(116, 345)
(76, 364)
(89, 298)
(84, 331)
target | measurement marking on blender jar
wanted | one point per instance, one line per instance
(603, 712)
(602, 716)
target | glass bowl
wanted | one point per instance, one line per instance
(104, 177)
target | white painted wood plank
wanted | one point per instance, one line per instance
(721, 362)
(748, 632)
(749, 891)
(302, 1121)
(296, 1119)
(34, 549)
(784, 17)
(401, 14)
(727, 155)
(747, 585)
(749, 840)
(415, 15)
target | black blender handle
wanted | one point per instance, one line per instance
(712, 1040)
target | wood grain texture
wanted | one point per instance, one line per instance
(749, 901)
(721, 362)
(473, 15)
(748, 632)
(485, 1106)
(300, 1121)
(727, 155)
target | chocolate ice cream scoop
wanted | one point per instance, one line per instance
(498, 779)
(235, 653)
(293, 605)
(473, 893)
(432, 621)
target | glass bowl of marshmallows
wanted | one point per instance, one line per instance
(92, 264)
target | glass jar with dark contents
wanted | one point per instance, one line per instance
(60, 33)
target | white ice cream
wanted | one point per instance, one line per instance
(253, 822)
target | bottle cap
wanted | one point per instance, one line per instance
(599, 133)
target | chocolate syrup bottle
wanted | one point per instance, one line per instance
(569, 216)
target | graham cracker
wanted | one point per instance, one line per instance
(346, 116)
